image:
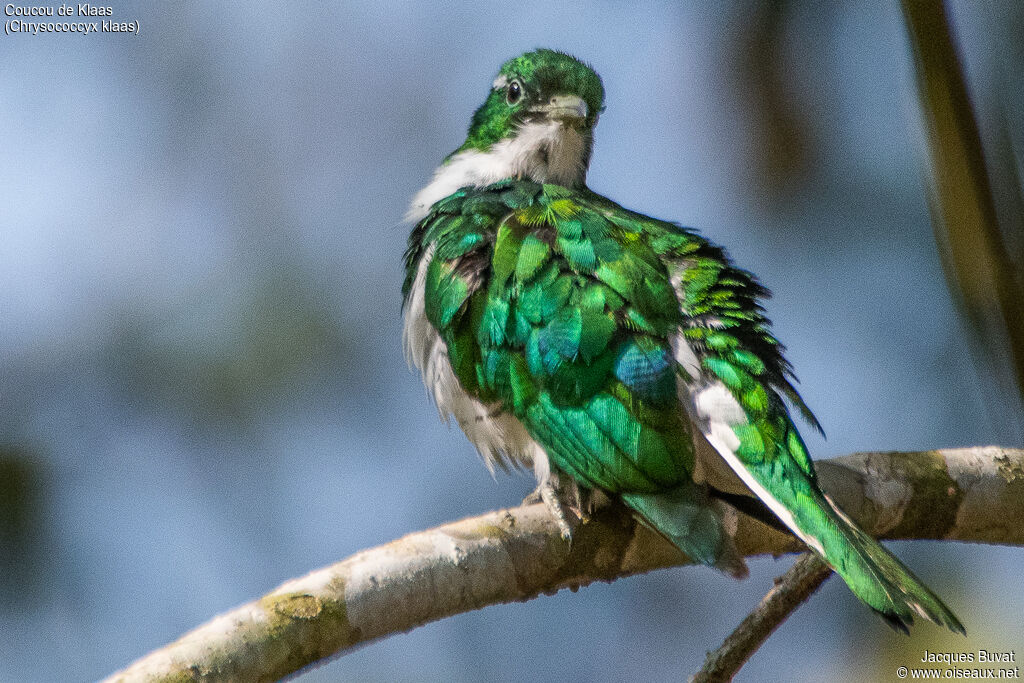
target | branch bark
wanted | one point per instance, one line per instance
(973, 495)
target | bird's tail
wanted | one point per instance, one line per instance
(873, 574)
(785, 482)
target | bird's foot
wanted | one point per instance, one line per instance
(550, 496)
(563, 501)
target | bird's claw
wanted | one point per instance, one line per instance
(549, 495)
(562, 502)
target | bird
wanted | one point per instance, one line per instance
(613, 353)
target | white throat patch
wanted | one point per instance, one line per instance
(547, 152)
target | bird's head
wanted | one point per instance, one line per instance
(538, 120)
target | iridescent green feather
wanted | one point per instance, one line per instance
(728, 332)
(560, 305)
(565, 318)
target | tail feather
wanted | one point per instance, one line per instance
(689, 519)
(878, 578)
(872, 572)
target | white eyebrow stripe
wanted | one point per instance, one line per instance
(500, 82)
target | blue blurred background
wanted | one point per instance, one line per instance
(202, 388)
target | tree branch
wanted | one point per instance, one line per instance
(790, 591)
(974, 495)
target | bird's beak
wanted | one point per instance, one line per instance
(567, 108)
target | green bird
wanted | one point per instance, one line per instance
(611, 351)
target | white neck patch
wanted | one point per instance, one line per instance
(545, 152)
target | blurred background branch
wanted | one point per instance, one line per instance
(789, 592)
(979, 269)
(518, 554)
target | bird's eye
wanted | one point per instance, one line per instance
(514, 92)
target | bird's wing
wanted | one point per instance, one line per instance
(565, 317)
(736, 378)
